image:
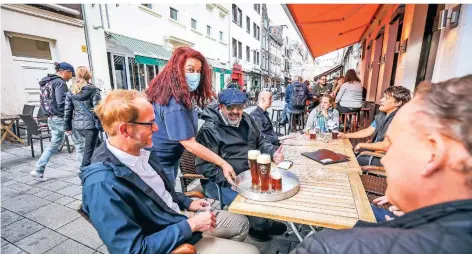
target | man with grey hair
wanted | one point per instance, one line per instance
(262, 119)
(429, 176)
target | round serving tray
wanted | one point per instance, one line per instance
(290, 187)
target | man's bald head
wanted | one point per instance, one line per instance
(264, 100)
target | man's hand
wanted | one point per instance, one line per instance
(199, 205)
(228, 172)
(341, 135)
(202, 222)
(380, 201)
(286, 137)
(395, 211)
(68, 133)
(358, 147)
(279, 155)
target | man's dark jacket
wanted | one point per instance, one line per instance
(58, 94)
(127, 214)
(74, 115)
(223, 140)
(262, 119)
(442, 228)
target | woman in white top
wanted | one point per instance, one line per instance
(349, 97)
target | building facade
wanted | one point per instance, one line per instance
(33, 38)
(245, 33)
(131, 43)
(265, 47)
(407, 44)
(276, 57)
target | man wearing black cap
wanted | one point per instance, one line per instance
(231, 133)
(52, 98)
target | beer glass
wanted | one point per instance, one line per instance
(312, 135)
(276, 179)
(263, 163)
(334, 134)
(252, 159)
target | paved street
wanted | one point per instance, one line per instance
(41, 217)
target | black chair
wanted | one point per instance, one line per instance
(34, 131)
(42, 120)
(27, 110)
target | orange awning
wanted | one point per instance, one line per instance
(329, 27)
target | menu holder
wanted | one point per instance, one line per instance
(326, 157)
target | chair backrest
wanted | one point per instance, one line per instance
(28, 109)
(187, 165)
(31, 124)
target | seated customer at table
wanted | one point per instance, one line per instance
(262, 119)
(231, 133)
(324, 117)
(394, 98)
(129, 199)
(429, 175)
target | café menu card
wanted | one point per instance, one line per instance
(326, 157)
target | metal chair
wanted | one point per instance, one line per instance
(296, 121)
(189, 174)
(34, 132)
(27, 110)
(184, 248)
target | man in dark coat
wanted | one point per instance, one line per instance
(429, 175)
(231, 133)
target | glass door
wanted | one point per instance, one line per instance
(119, 72)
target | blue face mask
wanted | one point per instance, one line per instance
(193, 80)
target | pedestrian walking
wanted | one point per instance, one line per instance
(53, 90)
(186, 78)
(78, 115)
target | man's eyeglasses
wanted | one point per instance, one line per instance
(237, 106)
(150, 123)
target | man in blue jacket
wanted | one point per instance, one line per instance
(53, 89)
(129, 199)
(295, 98)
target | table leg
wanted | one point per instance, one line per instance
(295, 231)
(7, 127)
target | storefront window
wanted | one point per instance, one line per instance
(134, 75)
(150, 73)
(120, 72)
(141, 85)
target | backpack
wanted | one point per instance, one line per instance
(45, 94)
(298, 96)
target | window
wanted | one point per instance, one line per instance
(258, 58)
(194, 24)
(240, 50)
(257, 8)
(240, 18)
(258, 33)
(209, 30)
(248, 25)
(237, 15)
(221, 35)
(254, 59)
(235, 49)
(254, 26)
(23, 47)
(174, 14)
(248, 54)
(147, 5)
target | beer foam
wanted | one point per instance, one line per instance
(252, 154)
(263, 159)
(276, 175)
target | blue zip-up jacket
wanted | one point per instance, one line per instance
(127, 214)
(288, 94)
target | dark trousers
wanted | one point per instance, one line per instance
(91, 141)
(228, 195)
(342, 109)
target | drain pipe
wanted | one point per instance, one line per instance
(108, 19)
(87, 42)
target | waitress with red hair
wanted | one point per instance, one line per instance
(185, 80)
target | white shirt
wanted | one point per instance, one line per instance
(140, 166)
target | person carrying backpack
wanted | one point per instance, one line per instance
(296, 95)
(53, 90)
(78, 114)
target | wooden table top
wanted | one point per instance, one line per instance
(335, 200)
(8, 117)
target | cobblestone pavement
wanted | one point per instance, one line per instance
(41, 217)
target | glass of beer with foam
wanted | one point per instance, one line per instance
(252, 160)
(276, 179)
(263, 163)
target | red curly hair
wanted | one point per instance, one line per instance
(170, 82)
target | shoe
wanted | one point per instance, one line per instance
(282, 123)
(38, 176)
(259, 236)
(277, 228)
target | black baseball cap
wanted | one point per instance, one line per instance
(66, 67)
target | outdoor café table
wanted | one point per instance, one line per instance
(336, 200)
(7, 122)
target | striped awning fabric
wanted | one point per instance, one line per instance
(140, 47)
